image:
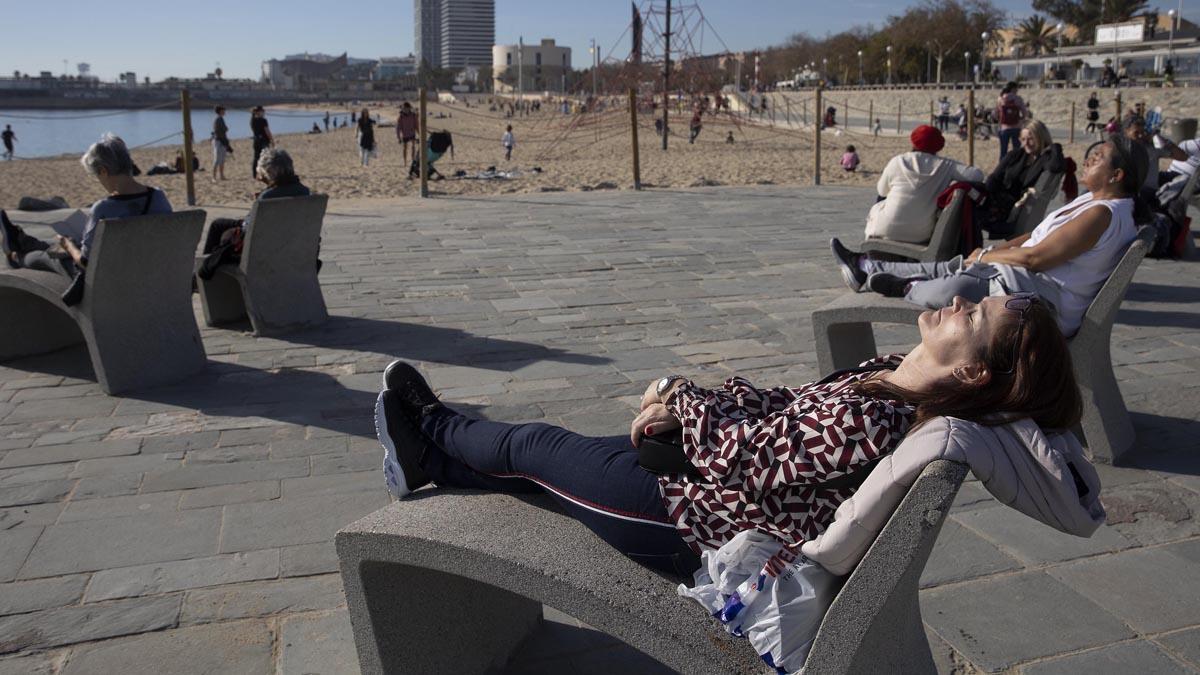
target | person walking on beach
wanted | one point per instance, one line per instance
(694, 127)
(220, 143)
(366, 136)
(326, 120)
(878, 126)
(508, 142)
(8, 137)
(1093, 113)
(262, 136)
(406, 130)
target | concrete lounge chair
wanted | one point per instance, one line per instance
(275, 284)
(942, 244)
(1177, 208)
(136, 314)
(453, 581)
(844, 338)
(1027, 216)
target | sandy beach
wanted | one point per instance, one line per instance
(584, 152)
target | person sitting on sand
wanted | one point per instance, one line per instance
(1065, 260)
(1016, 174)
(909, 187)
(850, 159)
(109, 162)
(223, 245)
(760, 456)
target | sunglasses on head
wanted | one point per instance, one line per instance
(1019, 303)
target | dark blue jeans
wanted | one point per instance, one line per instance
(596, 480)
(1009, 136)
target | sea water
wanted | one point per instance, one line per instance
(46, 133)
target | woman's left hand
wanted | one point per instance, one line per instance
(654, 419)
(974, 257)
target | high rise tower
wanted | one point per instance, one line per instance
(427, 32)
(468, 31)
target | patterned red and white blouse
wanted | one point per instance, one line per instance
(761, 453)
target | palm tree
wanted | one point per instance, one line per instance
(1121, 10)
(1035, 35)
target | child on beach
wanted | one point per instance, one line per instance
(507, 141)
(850, 159)
(878, 126)
(8, 137)
(729, 139)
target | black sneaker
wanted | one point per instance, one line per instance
(403, 446)
(414, 392)
(10, 238)
(889, 285)
(848, 261)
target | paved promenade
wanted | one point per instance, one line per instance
(189, 529)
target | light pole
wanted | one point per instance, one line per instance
(967, 58)
(983, 54)
(1059, 28)
(928, 62)
(889, 64)
(1171, 36)
(595, 60)
(825, 69)
(861, 81)
(1016, 53)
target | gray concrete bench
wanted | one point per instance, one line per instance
(275, 284)
(1027, 216)
(942, 244)
(136, 314)
(453, 581)
(844, 338)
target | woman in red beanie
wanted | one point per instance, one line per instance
(911, 183)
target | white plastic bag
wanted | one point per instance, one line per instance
(779, 615)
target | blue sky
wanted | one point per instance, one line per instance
(168, 37)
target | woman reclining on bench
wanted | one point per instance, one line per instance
(760, 459)
(109, 161)
(1065, 260)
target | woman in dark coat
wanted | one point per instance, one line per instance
(1017, 172)
(366, 136)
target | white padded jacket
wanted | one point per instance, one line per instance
(1018, 463)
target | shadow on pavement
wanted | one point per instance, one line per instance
(1143, 317)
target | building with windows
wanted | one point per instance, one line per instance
(427, 32)
(1144, 46)
(394, 67)
(468, 31)
(531, 68)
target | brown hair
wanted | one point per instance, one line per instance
(1041, 385)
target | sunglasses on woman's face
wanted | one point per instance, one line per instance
(1019, 303)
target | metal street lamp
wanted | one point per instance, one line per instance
(1016, 52)
(967, 58)
(985, 36)
(1060, 27)
(889, 65)
(861, 81)
(928, 61)
(1171, 36)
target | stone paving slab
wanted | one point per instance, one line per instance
(555, 308)
(1141, 657)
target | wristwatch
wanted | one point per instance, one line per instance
(665, 383)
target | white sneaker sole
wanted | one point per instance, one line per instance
(393, 474)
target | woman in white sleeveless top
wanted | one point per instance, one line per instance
(1065, 260)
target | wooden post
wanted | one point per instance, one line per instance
(186, 103)
(817, 141)
(804, 110)
(633, 124)
(667, 76)
(870, 114)
(931, 117)
(899, 107)
(971, 126)
(423, 146)
(1072, 139)
(787, 102)
(1118, 107)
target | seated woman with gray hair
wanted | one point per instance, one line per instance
(109, 161)
(1065, 260)
(224, 241)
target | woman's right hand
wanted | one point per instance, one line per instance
(654, 419)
